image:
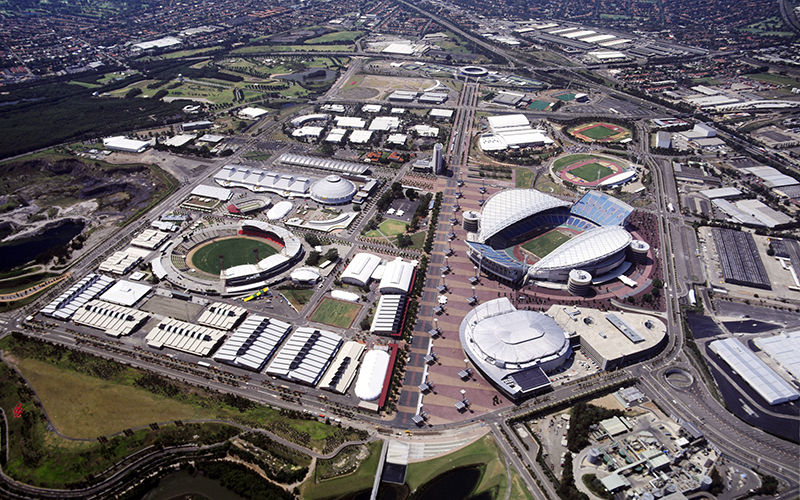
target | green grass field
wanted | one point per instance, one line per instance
(523, 178)
(482, 452)
(388, 227)
(361, 479)
(776, 79)
(82, 406)
(545, 243)
(336, 313)
(257, 155)
(298, 297)
(234, 252)
(539, 105)
(599, 133)
(591, 172)
(259, 49)
(566, 97)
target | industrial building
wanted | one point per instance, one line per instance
(784, 349)
(221, 316)
(120, 262)
(126, 293)
(612, 340)
(398, 277)
(754, 371)
(250, 113)
(185, 337)
(125, 145)
(318, 162)
(305, 356)
(89, 287)
(113, 319)
(343, 368)
(388, 318)
(513, 348)
(150, 239)
(253, 343)
(512, 131)
(360, 269)
(738, 256)
(259, 181)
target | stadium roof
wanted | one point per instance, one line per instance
(515, 337)
(306, 355)
(590, 246)
(373, 372)
(754, 371)
(513, 205)
(253, 343)
(333, 189)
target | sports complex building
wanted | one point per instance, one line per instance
(524, 235)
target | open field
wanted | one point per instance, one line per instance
(298, 297)
(262, 49)
(786, 81)
(222, 254)
(392, 83)
(335, 312)
(361, 479)
(389, 228)
(599, 132)
(482, 452)
(257, 155)
(591, 171)
(545, 243)
(564, 161)
(82, 406)
(523, 177)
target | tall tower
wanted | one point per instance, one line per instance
(437, 161)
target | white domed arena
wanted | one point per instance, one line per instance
(525, 235)
(333, 190)
(514, 349)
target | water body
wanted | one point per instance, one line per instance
(23, 250)
(182, 484)
(455, 484)
(310, 75)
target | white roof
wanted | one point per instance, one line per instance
(360, 136)
(307, 131)
(371, 108)
(597, 38)
(333, 189)
(590, 246)
(504, 121)
(784, 349)
(323, 163)
(345, 295)
(113, 319)
(306, 355)
(603, 55)
(336, 135)
(766, 215)
(150, 239)
(578, 34)
(725, 192)
(384, 123)
(342, 370)
(258, 180)
(614, 43)
(399, 48)
(221, 315)
(89, 287)
(296, 122)
(512, 205)
(755, 372)
(183, 336)
(360, 268)
(215, 192)
(121, 143)
(441, 113)
(388, 314)
(305, 274)
(397, 139)
(179, 140)
(619, 178)
(772, 177)
(280, 210)
(349, 122)
(397, 276)
(212, 138)
(425, 130)
(160, 43)
(125, 293)
(252, 113)
(513, 338)
(253, 342)
(373, 372)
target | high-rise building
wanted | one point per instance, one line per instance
(437, 161)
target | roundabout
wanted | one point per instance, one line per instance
(591, 170)
(678, 378)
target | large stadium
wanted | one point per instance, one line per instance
(232, 259)
(527, 236)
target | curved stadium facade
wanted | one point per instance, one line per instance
(527, 235)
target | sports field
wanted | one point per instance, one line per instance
(591, 172)
(221, 254)
(335, 313)
(389, 227)
(600, 132)
(545, 243)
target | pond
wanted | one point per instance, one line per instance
(455, 484)
(310, 75)
(182, 484)
(23, 250)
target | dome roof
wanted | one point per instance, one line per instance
(513, 205)
(586, 248)
(513, 337)
(333, 189)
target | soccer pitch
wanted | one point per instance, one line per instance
(599, 132)
(591, 172)
(234, 252)
(335, 313)
(546, 243)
